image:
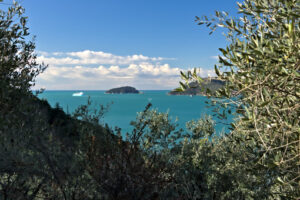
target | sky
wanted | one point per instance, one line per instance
(101, 44)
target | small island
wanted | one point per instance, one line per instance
(123, 90)
(210, 84)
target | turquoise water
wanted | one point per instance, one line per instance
(125, 106)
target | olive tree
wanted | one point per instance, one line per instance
(261, 67)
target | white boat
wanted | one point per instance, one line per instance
(77, 94)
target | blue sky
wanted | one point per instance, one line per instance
(99, 44)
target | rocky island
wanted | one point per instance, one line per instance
(195, 89)
(123, 90)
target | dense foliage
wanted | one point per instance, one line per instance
(261, 68)
(48, 154)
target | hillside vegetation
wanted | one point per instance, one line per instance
(48, 154)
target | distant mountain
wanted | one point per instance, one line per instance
(123, 90)
(210, 84)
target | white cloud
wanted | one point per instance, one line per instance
(88, 57)
(42, 53)
(207, 73)
(90, 70)
(144, 76)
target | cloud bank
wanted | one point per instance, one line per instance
(88, 57)
(97, 70)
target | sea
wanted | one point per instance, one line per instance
(123, 108)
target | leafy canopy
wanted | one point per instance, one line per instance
(261, 66)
